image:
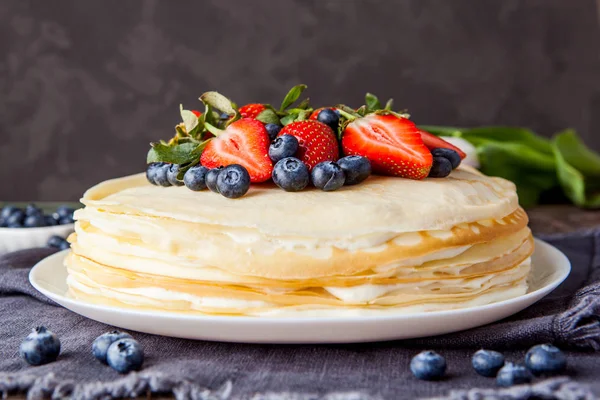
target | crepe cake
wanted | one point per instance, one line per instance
(387, 245)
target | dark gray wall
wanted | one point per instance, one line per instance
(85, 85)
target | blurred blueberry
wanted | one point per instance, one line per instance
(545, 359)
(125, 355)
(172, 175)
(103, 342)
(50, 220)
(40, 347)
(66, 220)
(55, 241)
(34, 221)
(273, 130)
(8, 210)
(16, 218)
(512, 374)
(65, 211)
(64, 245)
(32, 209)
(487, 362)
(428, 365)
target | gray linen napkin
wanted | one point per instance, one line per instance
(569, 317)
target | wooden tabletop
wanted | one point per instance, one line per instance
(561, 218)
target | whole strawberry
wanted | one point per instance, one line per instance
(244, 142)
(317, 142)
(252, 110)
(392, 144)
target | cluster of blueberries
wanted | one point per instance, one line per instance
(444, 161)
(540, 360)
(33, 217)
(117, 349)
(58, 242)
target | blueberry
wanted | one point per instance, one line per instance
(329, 117)
(512, 374)
(160, 174)
(64, 245)
(16, 225)
(7, 211)
(49, 220)
(290, 174)
(103, 342)
(428, 365)
(151, 172)
(16, 219)
(440, 168)
(64, 211)
(282, 147)
(487, 362)
(172, 173)
(125, 355)
(328, 176)
(195, 178)
(211, 179)
(66, 220)
(33, 210)
(3, 223)
(40, 347)
(545, 359)
(55, 241)
(356, 169)
(224, 116)
(34, 221)
(273, 130)
(233, 181)
(449, 154)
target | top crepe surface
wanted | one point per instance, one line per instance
(380, 204)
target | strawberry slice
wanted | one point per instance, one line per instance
(435, 142)
(392, 144)
(317, 142)
(315, 113)
(252, 110)
(245, 142)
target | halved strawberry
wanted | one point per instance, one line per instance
(435, 142)
(315, 113)
(317, 142)
(252, 110)
(392, 144)
(245, 142)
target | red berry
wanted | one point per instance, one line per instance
(392, 144)
(245, 142)
(435, 142)
(317, 142)
(197, 113)
(252, 110)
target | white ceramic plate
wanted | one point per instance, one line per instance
(13, 239)
(550, 268)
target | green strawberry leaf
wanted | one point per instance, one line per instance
(292, 96)
(372, 102)
(389, 105)
(217, 101)
(288, 119)
(175, 154)
(190, 121)
(303, 115)
(268, 116)
(304, 104)
(362, 110)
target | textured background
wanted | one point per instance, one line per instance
(85, 85)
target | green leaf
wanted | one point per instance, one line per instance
(175, 154)
(372, 102)
(292, 96)
(509, 134)
(268, 116)
(442, 130)
(362, 110)
(217, 101)
(582, 190)
(190, 121)
(304, 104)
(389, 105)
(288, 119)
(577, 154)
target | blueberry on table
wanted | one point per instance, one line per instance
(428, 366)
(328, 176)
(282, 147)
(273, 130)
(513, 374)
(102, 343)
(172, 175)
(211, 179)
(160, 174)
(290, 174)
(233, 181)
(195, 178)
(125, 355)
(356, 169)
(448, 154)
(49, 220)
(487, 362)
(41, 346)
(8, 210)
(440, 168)
(16, 219)
(34, 221)
(329, 117)
(151, 171)
(545, 359)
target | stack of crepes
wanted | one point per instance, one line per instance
(386, 245)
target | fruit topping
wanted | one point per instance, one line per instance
(440, 168)
(252, 110)
(211, 179)
(316, 142)
(291, 174)
(328, 176)
(195, 178)
(282, 147)
(434, 142)
(233, 181)
(448, 154)
(356, 169)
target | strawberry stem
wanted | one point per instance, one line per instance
(213, 129)
(346, 115)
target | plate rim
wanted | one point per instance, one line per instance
(285, 320)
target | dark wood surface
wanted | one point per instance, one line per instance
(549, 219)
